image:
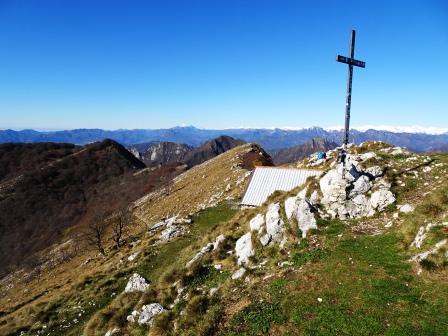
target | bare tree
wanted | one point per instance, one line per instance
(120, 222)
(95, 233)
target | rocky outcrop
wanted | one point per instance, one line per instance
(346, 189)
(244, 248)
(172, 227)
(136, 283)
(305, 217)
(275, 226)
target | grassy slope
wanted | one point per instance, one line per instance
(366, 284)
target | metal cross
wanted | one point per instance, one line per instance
(351, 61)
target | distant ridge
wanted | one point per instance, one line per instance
(270, 139)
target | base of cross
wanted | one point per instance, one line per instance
(342, 154)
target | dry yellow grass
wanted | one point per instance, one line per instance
(200, 187)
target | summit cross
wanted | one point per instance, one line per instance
(351, 61)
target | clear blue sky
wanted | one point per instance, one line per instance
(215, 64)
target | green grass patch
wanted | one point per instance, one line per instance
(256, 319)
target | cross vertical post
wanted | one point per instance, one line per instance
(348, 101)
(351, 61)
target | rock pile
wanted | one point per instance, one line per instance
(349, 191)
(136, 283)
(172, 227)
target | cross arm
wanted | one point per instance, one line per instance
(351, 61)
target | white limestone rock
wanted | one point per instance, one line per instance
(275, 226)
(207, 248)
(421, 235)
(333, 186)
(375, 171)
(361, 186)
(367, 156)
(244, 248)
(290, 207)
(422, 256)
(359, 206)
(172, 231)
(239, 273)
(380, 199)
(305, 217)
(314, 198)
(112, 331)
(132, 317)
(397, 151)
(256, 223)
(220, 239)
(136, 283)
(148, 312)
(133, 256)
(406, 208)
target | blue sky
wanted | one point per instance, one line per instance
(220, 64)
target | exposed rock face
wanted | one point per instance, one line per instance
(148, 313)
(275, 226)
(154, 153)
(345, 189)
(305, 217)
(136, 283)
(244, 248)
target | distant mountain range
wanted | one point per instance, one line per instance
(165, 152)
(296, 153)
(270, 139)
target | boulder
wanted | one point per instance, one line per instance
(275, 226)
(361, 186)
(148, 312)
(136, 283)
(244, 248)
(305, 217)
(220, 239)
(406, 208)
(359, 206)
(375, 171)
(239, 273)
(380, 199)
(257, 223)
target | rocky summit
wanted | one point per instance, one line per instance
(358, 249)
